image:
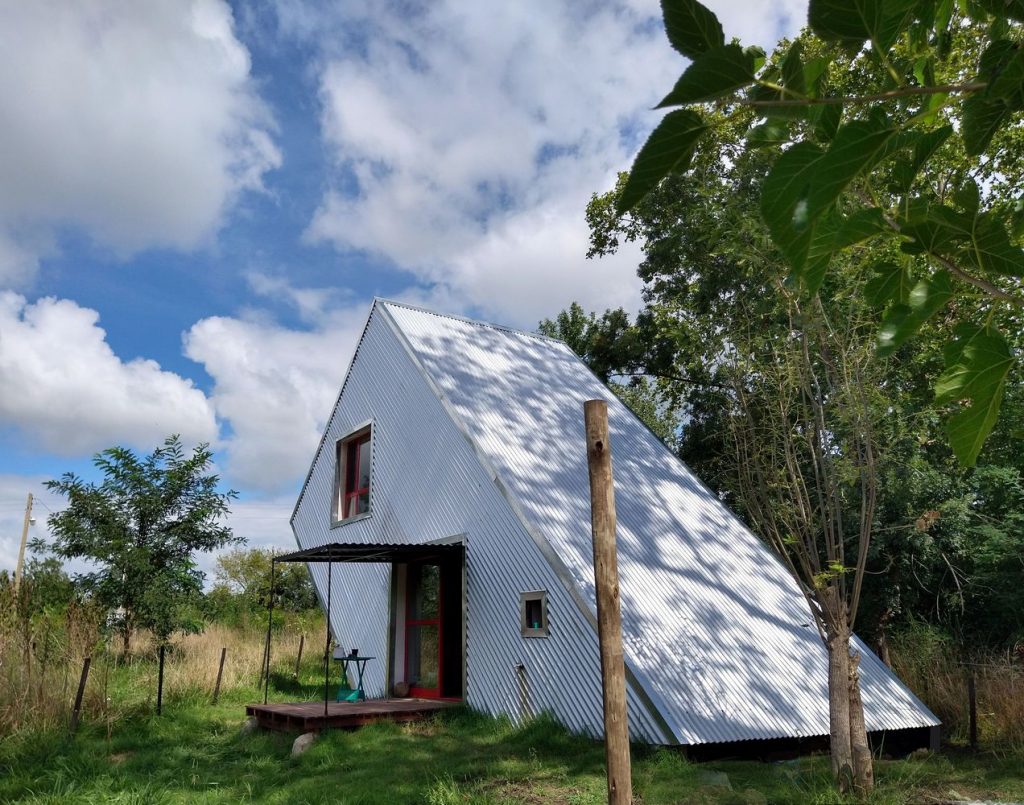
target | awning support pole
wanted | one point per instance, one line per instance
(327, 643)
(270, 623)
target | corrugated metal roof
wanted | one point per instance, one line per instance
(716, 631)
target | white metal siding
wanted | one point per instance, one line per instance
(428, 484)
(716, 630)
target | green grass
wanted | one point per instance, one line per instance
(196, 753)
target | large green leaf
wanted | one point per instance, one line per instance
(712, 74)
(857, 20)
(1014, 9)
(891, 283)
(854, 150)
(991, 248)
(978, 362)
(691, 27)
(784, 201)
(769, 133)
(669, 148)
(793, 69)
(925, 145)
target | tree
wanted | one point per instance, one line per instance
(937, 80)
(141, 527)
(244, 575)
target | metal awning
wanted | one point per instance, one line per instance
(375, 552)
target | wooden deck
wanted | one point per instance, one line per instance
(309, 716)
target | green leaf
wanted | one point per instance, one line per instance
(982, 117)
(784, 201)
(1008, 83)
(826, 119)
(992, 250)
(854, 150)
(857, 20)
(859, 226)
(968, 196)
(978, 362)
(669, 149)
(891, 282)
(711, 75)
(930, 295)
(897, 326)
(691, 27)
(925, 145)
(770, 133)
(1014, 9)
(793, 69)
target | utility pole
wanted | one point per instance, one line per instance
(24, 539)
(609, 616)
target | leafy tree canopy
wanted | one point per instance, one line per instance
(895, 125)
(243, 576)
(141, 527)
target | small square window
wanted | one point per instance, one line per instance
(533, 613)
(352, 476)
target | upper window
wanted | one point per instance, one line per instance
(533, 613)
(352, 485)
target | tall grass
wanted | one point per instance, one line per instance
(931, 665)
(42, 655)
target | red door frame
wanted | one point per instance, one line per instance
(426, 693)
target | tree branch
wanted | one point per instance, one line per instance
(942, 89)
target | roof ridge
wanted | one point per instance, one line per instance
(468, 320)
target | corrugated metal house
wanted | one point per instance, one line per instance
(448, 431)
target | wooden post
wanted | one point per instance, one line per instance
(298, 660)
(270, 623)
(972, 704)
(160, 684)
(21, 549)
(81, 692)
(327, 643)
(220, 673)
(609, 618)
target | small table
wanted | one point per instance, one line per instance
(345, 693)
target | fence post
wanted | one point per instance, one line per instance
(81, 692)
(972, 704)
(298, 660)
(220, 673)
(609, 616)
(160, 683)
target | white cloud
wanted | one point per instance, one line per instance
(476, 134)
(276, 387)
(63, 385)
(137, 122)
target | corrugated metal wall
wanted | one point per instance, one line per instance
(429, 484)
(716, 630)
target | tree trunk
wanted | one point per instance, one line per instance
(126, 638)
(863, 771)
(839, 707)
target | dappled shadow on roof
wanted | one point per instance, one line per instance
(712, 619)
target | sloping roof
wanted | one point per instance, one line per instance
(716, 630)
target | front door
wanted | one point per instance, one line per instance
(423, 630)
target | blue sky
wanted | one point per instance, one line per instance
(198, 200)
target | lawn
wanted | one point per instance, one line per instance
(195, 752)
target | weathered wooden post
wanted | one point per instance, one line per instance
(220, 673)
(81, 692)
(160, 683)
(609, 617)
(298, 660)
(972, 705)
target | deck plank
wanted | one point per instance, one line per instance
(309, 716)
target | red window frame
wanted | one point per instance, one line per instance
(349, 492)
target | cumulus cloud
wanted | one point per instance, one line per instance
(275, 386)
(136, 122)
(64, 387)
(476, 133)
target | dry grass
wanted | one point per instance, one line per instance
(41, 659)
(928, 662)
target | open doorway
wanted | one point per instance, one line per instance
(429, 645)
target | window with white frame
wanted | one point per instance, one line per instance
(533, 613)
(352, 476)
